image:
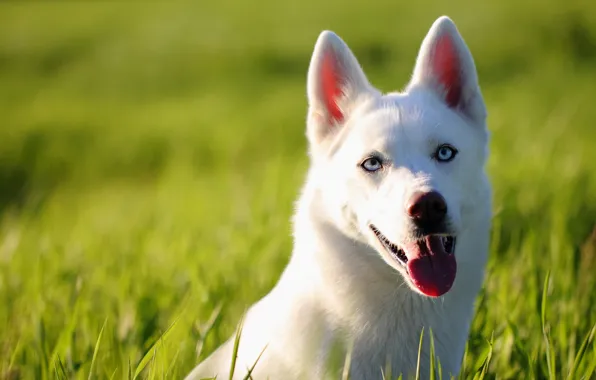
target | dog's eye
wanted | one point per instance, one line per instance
(445, 153)
(371, 164)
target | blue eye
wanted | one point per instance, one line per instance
(371, 164)
(445, 153)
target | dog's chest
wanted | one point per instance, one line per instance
(388, 343)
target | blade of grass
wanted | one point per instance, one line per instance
(42, 348)
(236, 346)
(582, 350)
(151, 375)
(129, 370)
(432, 374)
(62, 368)
(96, 350)
(57, 374)
(591, 369)
(419, 354)
(172, 362)
(13, 356)
(251, 369)
(149, 354)
(550, 362)
(483, 370)
(463, 361)
(204, 328)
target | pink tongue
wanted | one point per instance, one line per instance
(431, 269)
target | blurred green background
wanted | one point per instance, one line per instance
(150, 155)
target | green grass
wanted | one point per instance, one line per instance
(150, 155)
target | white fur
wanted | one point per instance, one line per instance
(340, 284)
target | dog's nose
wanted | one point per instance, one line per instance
(427, 208)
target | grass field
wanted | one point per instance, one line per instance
(150, 155)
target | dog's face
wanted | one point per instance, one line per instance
(401, 171)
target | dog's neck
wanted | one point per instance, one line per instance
(363, 296)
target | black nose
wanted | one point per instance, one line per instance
(427, 209)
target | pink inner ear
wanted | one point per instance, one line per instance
(331, 85)
(446, 65)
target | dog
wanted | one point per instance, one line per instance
(391, 229)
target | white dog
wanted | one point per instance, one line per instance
(391, 230)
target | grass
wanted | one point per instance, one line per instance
(150, 154)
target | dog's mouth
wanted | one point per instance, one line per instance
(429, 261)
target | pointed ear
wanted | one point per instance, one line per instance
(445, 66)
(335, 81)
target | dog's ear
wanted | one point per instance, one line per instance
(445, 66)
(335, 81)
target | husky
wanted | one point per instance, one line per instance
(391, 229)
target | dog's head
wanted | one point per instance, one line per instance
(401, 172)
